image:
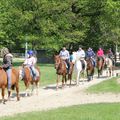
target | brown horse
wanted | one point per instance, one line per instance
(100, 65)
(90, 69)
(25, 74)
(61, 69)
(14, 83)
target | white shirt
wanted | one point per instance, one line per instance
(30, 61)
(64, 54)
(81, 54)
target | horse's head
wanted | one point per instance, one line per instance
(1, 68)
(57, 61)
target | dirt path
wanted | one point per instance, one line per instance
(49, 98)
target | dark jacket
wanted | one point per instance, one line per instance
(7, 61)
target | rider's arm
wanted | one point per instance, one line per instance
(8, 62)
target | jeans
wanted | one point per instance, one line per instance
(9, 76)
(33, 71)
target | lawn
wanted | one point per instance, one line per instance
(80, 112)
(110, 85)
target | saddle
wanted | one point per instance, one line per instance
(31, 72)
(93, 62)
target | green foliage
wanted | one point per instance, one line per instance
(50, 24)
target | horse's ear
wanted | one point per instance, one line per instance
(1, 68)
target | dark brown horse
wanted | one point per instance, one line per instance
(28, 79)
(61, 70)
(90, 69)
(14, 83)
(100, 65)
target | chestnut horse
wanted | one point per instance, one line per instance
(14, 83)
(25, 74)
(100, 65)
(90, 69)
(61, 69)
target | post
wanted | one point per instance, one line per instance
(26, 49)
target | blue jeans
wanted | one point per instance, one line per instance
(8, 71)
(33, 71)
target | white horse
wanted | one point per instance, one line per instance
(110, 67)
(78, 67)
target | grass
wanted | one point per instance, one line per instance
(80, 112)
(110, 85)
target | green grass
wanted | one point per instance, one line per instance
(110, 85)
(81, 112)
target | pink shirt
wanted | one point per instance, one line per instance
(30, 61)
(100, 53)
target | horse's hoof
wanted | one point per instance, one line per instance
(4, 102)
(18, 99)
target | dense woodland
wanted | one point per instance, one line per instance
(51, 24)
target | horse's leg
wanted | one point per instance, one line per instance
(37, 88)
(83, 77)
(88, 76)
(27, 89)
(70, 78)
(58, 77)
(107, 72)
(77, 79)
(9, 92)
(3, 94)
(17, 91)
(63, 78)
(32, 88)
(98, 73)
(110, 72)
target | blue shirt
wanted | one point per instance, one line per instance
(90, 53)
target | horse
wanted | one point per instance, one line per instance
(109, 67)
(100, 65)
(14, 83)
(90, 68)
(26, 76)
(78, 69)
(61, 70)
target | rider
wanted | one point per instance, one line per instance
(100, 53)
(81, 56)
(90, 54)
(30, 62)
(7, 65)
(64, 54)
